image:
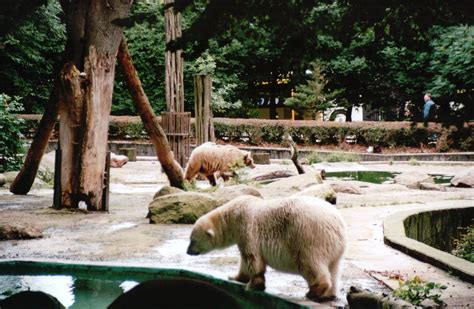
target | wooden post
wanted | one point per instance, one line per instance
(177, 122)
(204, 125)
(177, 127)
(149, 119)
(173, 60)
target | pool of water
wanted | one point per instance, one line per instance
(80, 286)
(378, 177)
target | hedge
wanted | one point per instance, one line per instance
(305, 132)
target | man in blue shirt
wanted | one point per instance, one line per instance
(427, 113)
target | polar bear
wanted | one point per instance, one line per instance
(301, 235)
(210, 158)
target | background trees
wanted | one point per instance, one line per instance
(378, 53)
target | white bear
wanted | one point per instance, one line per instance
(209, 158)
(301, 235)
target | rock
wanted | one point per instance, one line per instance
(12, 232)
(166, 190)
(226, 194)
(47, 161)
(273, 175)
(298, 182)
(345, 187)
(413, 180)
(10, 176)
(322, 191)
(117, 160)
(362, 299)
(3, 180)
(261, 157)
(432, 187)
(464, 180)
(184, 207)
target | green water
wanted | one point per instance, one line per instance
(72, 292)
(378, 177)
(81, 286)
(366, 176)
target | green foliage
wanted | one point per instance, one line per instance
(30, 54)
(11, 144)
(464, 246)
(47, 176)
(413, 162)
(416, 291)
(146, 43)
(312, 96)
(315, 157)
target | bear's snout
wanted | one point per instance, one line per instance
(192, 251)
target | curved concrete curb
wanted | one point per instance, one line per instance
(395, 236)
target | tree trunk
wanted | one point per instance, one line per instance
(173, 60)
(294, 154)
(24, 180)
(87, 82)
(203, 124)
(150, 122)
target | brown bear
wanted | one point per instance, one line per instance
(210, 158)
(302, 235)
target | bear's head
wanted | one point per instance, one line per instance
(248, 161)
(202, 237)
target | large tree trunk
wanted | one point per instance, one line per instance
(87, 82)
(150, 122)
(24, 180)
(203, 124)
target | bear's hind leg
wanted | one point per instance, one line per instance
(334, 269)
(320, 283)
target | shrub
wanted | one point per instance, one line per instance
(11, 138)
(416, 291)
(464, 246)
(307, 132)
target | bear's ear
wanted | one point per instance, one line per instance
(210, 232)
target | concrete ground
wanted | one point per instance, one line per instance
(124, 236)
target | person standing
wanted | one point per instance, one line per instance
(428, 108)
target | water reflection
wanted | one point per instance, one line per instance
(72, 292)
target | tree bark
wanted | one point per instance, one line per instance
(87, 82)
(203, 124)
(294, 154)
(24, 180)
(150, 122)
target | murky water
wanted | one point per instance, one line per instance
(70, 291)
(378, 177)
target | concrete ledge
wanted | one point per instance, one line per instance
(395, 236)
(145, 148)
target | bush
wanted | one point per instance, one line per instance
(416, 291)
(464, 247)
(263, 132)
(11, 138)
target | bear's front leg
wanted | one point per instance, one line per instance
(242, 276)
(255, 270)
(257, 282)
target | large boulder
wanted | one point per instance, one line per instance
(465, 179)
(322, 191)
(413, 180)
(226, 194)
(298, 182)
(184, 207)
(345, 187)
(167, 190)
(13, 232)
(3, 180)
(118, 160)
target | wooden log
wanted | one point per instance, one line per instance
(25, 178)
(203, 112)
(294, 154)
(150, 121)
